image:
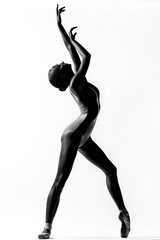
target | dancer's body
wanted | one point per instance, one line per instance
(77, 136)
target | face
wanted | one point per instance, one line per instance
(62, 67)
(66, 72)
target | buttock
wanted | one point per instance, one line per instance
(83, 126)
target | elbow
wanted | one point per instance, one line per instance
(87, 57)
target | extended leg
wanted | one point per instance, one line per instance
(95, 155)
(70, 142)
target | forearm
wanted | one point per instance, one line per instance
(65, 36)
(80, 49)
(75, 57)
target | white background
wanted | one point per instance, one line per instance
(124, 40)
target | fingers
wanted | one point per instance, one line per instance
(72, 29)
(70, 32)
(71, 35)
(60, 10)
(74, 35)
(57, 8)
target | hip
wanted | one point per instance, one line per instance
(83, 125)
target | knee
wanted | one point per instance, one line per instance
(112, 172)
(59, 183)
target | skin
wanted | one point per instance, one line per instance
(71, 140)
(66, 69)
(80, 67)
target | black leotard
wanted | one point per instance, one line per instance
(87, 98)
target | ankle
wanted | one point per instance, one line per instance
(124, 210)
(47, 231)
(48, 226)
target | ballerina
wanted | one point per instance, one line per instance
(77, 135)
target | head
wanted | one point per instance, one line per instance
(60, 76)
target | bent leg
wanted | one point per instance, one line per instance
(70, 142)
(94, 154)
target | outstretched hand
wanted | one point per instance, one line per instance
(71, 35)
(59, 11)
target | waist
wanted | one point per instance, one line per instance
(90, 114)
(90, 111)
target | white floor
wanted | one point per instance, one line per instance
(97, 238)
(107, 238)
(9, 236)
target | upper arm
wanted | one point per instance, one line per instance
(80, 74)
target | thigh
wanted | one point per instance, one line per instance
(94, 154)
(69, 145)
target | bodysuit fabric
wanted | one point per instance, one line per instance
(87, 98)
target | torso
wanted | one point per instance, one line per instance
(87, 98)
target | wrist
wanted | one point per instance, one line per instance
(59, 24)
(72, 40)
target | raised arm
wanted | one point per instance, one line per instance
(80, 74)
(66, 39)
